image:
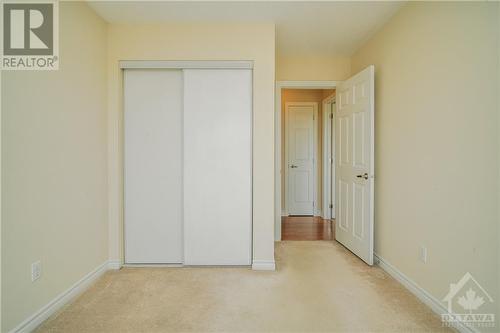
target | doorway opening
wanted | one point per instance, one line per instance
(354, 132)
(306, 159)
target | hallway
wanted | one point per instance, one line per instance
(307, 228)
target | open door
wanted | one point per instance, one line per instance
(355, 164)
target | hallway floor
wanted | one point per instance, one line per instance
(318, 286)
(306, 228)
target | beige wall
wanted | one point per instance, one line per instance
(54, 176)
(199, 42)
(312, 68)
(304, 95)
(436, 142)
(498, 155)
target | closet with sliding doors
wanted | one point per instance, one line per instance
(187, 162)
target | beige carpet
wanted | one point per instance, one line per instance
(319, 286)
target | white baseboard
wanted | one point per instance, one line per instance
(328, 216)
(114, 264)
(418, 291)
(32, 322)
(263, 265)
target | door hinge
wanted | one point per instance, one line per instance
(331, 115)
(330, 205)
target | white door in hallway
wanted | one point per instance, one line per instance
(300, 155)
(355, 164)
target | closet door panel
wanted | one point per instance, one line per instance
(153, 166)
(217, 166)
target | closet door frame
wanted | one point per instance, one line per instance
(179, 64)
(209, 64)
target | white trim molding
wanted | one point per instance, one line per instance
(419, 292)
(328, 157)
(187, 64)
(114, 264)
(263, 265)
(33, 321)
(277, 140)
(308, 84)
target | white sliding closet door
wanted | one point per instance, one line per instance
(217, 166)
(153, 166)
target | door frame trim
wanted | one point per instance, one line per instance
(315, 106)
(328, 142)
(186, 64)
(277, 140)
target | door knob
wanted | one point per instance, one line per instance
(365, 176)
(293, 166)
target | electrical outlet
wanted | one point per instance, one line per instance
(36, 270)
(423, 254)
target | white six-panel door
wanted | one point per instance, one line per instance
(355, 164)
(217, 166)
(300, 157)
(153, 166)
